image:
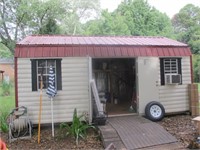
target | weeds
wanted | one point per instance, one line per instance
(78, 128)
(3, 120)
(7, 103)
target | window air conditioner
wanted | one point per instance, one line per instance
(172, 78)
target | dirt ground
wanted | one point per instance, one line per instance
(183, 128)
(58, 142)
(180, 126)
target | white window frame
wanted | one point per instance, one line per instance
(170, 66)
(45, 72)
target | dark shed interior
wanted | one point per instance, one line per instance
(116, 83)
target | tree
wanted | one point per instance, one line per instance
(108, 24)
(4, 52)
(132, 17)
(92, 27)
(51, 27)
(8, 15)
(196, 67)
(19, 18)
(142, 19)
(186, 25)
(76, 13)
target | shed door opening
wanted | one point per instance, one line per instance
(116, 82)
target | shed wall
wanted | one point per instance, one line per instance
(174, 98)
(74, 93)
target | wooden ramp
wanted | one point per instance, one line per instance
(136, 132)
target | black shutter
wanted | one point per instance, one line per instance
(34, 74)
(180, 68)
(58, 74)
(162, 75)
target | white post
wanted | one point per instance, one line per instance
(90, 92)
(52, 117)
(96, 97)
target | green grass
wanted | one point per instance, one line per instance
(198, 87)
(7, 102)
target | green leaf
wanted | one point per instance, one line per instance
(78, 128)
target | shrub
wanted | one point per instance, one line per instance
(78, 128)
(6, 86)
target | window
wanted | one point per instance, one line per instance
(169, 66)
(41, 66)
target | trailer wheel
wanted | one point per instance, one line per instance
(154, 111)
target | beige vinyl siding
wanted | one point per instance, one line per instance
(74, 93)
(175, 98)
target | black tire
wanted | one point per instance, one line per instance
(154, 111)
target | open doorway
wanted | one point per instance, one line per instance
(116, 83)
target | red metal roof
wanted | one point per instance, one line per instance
(101, 40)
(120, 46)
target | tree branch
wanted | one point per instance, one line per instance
(3, 21)
(17, 25)
(42, 17)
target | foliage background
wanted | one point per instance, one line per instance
(19, 18)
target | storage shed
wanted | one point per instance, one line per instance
(129, 72)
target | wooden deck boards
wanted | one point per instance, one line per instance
(135, 132)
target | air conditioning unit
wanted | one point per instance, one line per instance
(172, 78)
